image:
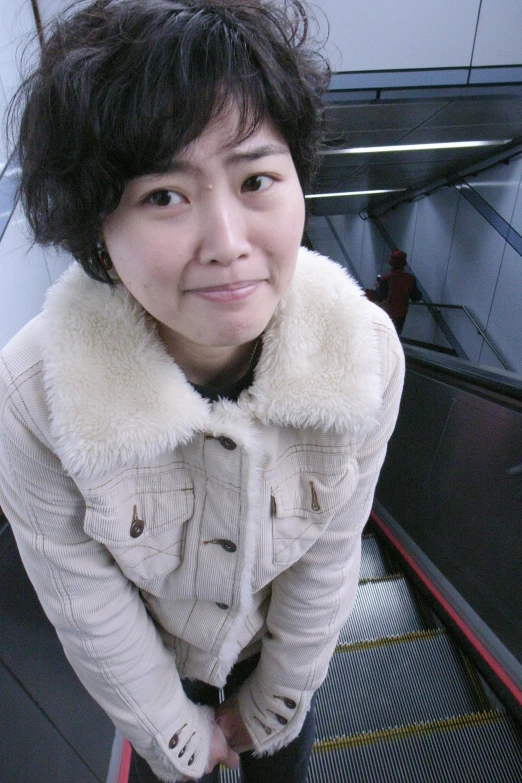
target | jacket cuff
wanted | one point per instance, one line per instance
(273, 714)
(183, 750)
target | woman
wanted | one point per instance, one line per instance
(193, 428)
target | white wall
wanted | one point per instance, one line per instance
(361, 241)
(25, 271)
(499, 33)
(397, 34)
(17, 27)
(48, 8)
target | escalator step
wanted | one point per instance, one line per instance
(480, 748)
(227, 775)
(382, 608)
(372, 561)
(395, 682)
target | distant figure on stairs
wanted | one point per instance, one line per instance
(395, 290)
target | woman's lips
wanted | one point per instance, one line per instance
(234, 292)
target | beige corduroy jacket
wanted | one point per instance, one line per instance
(167, 536)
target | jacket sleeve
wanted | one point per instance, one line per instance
(107, 635)
(312, 600)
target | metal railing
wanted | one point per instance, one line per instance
(436, 307)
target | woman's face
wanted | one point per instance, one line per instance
(209, 248)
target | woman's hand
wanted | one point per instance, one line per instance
(231, 723)
(220, 753)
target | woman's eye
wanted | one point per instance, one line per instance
(257, 182)
(164, 198)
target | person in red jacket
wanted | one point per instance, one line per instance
(395, 290)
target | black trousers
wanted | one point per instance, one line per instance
(287, 765)
(399, 324)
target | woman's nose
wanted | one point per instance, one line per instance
(224, 232)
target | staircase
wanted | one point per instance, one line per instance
(401, 703)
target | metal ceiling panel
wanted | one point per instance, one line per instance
(381, 116)
(392, 175)
(478, 132)
(458, 115)
(340, 206)
(476, 111)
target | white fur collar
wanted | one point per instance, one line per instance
(117, 398)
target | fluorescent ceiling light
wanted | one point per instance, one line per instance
(354, 193)
(443, 145)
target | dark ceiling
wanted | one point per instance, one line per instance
(410, 117)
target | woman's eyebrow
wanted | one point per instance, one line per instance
(186, 165)
(257, 152)
(180, 165)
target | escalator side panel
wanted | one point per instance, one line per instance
(445, 481)
(32, 749)
(31, 652)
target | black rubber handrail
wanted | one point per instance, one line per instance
(499, 381)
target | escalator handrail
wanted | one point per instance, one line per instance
(506, 668)
(496, 380)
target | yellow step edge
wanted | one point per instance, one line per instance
(385, 578)
(412, 730)
(385, 641)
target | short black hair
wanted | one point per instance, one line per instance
(124, 85)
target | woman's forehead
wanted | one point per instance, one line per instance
(225, 136)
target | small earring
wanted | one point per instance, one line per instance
(104, 258)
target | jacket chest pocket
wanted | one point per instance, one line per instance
(303, 504)
(145, 533)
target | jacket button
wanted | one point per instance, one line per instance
(228, 546)
(227, 443)
(222, 606)
(136, 529)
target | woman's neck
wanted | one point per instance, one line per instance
(209, 365)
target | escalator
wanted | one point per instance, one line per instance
(402, 703)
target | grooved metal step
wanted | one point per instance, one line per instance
(478, 748)
(395, 682)
(382, 608)
(373, 564)
(227, 775)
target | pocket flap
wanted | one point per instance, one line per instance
(313, 495)
(109, 518)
